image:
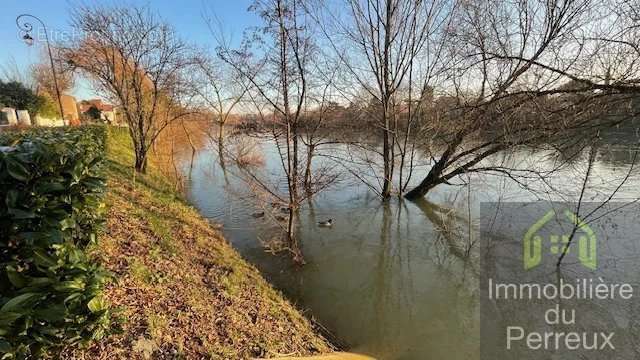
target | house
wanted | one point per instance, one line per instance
(108, 112)
(70, 109)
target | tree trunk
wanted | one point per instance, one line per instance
(220, 132)
(295, 176)
(386, 157)
(386, 92)
(435, 175)
(424, 187)
(386, 186)
(307, 172)
(433, 178)
(294, 246)
(141, 161)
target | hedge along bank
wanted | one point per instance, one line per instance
(51, 206)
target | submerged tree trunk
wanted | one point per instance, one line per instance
(436, 175)
(387, 93)
(307, 172)
(386, 157)
(429, 182)
(294, 247)
(295, 172)
(387, 150)
(433, 178)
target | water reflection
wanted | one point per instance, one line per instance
(396, 280)
(385, 285)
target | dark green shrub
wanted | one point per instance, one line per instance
(93, 113)
(51, 206)
(20, 97)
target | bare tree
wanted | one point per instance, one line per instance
(392, 50)
(10, 71)
(138, 62)
(524, 75)
(219, 90)
(277, 78)
(470, 79)
(606, 206)
(42, 76)
(319, 107)
(220, 86)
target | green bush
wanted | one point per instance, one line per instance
(52, 206)
(48, 107)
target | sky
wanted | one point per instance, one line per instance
(185, 15)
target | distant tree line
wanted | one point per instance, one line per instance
(458, 80)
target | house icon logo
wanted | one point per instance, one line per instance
(534, 245)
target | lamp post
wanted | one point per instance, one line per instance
(27, 28)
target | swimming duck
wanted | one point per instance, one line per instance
(326, 223)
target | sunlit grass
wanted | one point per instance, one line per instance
(181, 288)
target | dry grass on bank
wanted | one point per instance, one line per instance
(183, 292)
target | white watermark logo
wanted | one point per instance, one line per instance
(582, 289)
(558, 286)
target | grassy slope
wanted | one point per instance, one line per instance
(182, 290)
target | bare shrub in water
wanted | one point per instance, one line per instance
(246, 151)
(278, 85)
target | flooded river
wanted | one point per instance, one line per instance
(396, 280)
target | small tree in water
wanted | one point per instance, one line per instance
(277, 83)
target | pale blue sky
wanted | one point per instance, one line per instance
(185, 15)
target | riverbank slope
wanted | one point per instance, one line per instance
(181, 290)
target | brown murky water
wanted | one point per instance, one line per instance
(396, 280)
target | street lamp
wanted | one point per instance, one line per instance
(26, 27)
(28, 39)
